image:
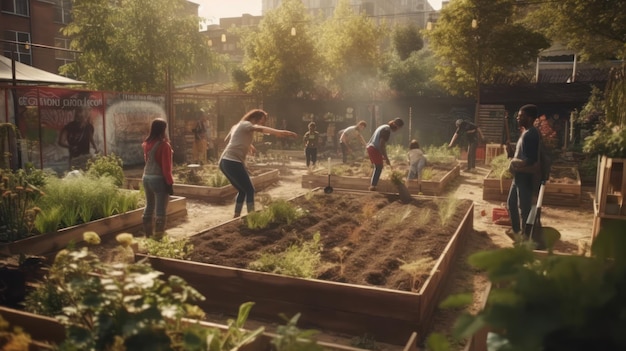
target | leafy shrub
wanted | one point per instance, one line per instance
(166, 247)
(298, 260)
(608, 140)
(118, 306)
(110, 165)
(279, 211)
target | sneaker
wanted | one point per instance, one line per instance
(372, 188)
(513, 234)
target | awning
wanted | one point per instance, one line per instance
(25, 74)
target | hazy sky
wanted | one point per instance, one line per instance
(213, 10)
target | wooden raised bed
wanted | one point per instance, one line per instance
(428, 187)
(46, 331)
(388, 315)
(55, 241)
(214, 194)
(559, 194)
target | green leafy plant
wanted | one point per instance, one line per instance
(49, 220)
(106, 306)
(166, 247)
(218, 179)
(416, 269)
(291, 338)
(279, 211)
(300, 259)
(107, 165)
(553, 302)
(427, 173)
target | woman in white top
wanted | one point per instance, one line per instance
(416, 159)
(233, 160)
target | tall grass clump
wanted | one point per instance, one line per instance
(442, 154)
(447, 208)
(300, 259)
(217, 180)
(279, 211)
(397, 152)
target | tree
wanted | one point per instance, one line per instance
(130, 45)
(279, 60)
(349, 44)
(413, 76)
(596, 29)
(476, 40)
(406, 40)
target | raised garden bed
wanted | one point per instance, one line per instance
(55, 241)
(372, 296)
(443, 176)
(47, 331)
(215, 194)
(563, 188)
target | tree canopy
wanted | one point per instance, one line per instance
(477, 40)
(130, 45)
(406, 40)
(349, 44)
(280, 57)
(596, 29)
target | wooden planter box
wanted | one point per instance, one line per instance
(213, 194)
(389, 316)
(428, 187)
(55, 241)
(556, 194)
(46, 331)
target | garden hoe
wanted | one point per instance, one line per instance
(328, 189)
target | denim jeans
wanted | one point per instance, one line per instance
(415, 170)
(157, 197)
(520, 199)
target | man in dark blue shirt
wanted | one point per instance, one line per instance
(471, 130)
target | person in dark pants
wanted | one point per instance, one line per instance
(157, 178)
(377, 148)
(472, 131)
(311, 140)
(526, 155)
(239, 143)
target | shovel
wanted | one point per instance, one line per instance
(328, 189)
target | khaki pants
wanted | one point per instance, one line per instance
(199, 151)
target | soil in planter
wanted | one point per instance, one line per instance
(380, 234)
(436, 171)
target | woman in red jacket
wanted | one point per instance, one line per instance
(157, 177)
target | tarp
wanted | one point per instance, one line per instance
(25, 74)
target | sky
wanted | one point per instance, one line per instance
(213, 10)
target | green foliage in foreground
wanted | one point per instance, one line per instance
(111, 166)
(554, 302)
(298, 260)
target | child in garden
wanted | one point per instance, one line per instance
(310, 140)
(417, 161)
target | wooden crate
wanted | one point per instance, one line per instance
(610, 191)
(387, 315)
(492, 151)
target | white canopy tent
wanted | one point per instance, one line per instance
(25, 74)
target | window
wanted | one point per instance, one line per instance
(18, 7)
(62, 11)
(62, 55)
(21, 51)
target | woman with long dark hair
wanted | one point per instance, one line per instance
(157, 178)
(233, 159)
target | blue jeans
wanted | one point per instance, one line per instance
(415, 171)
(157, 197)
(520, 199)
(239, 178)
